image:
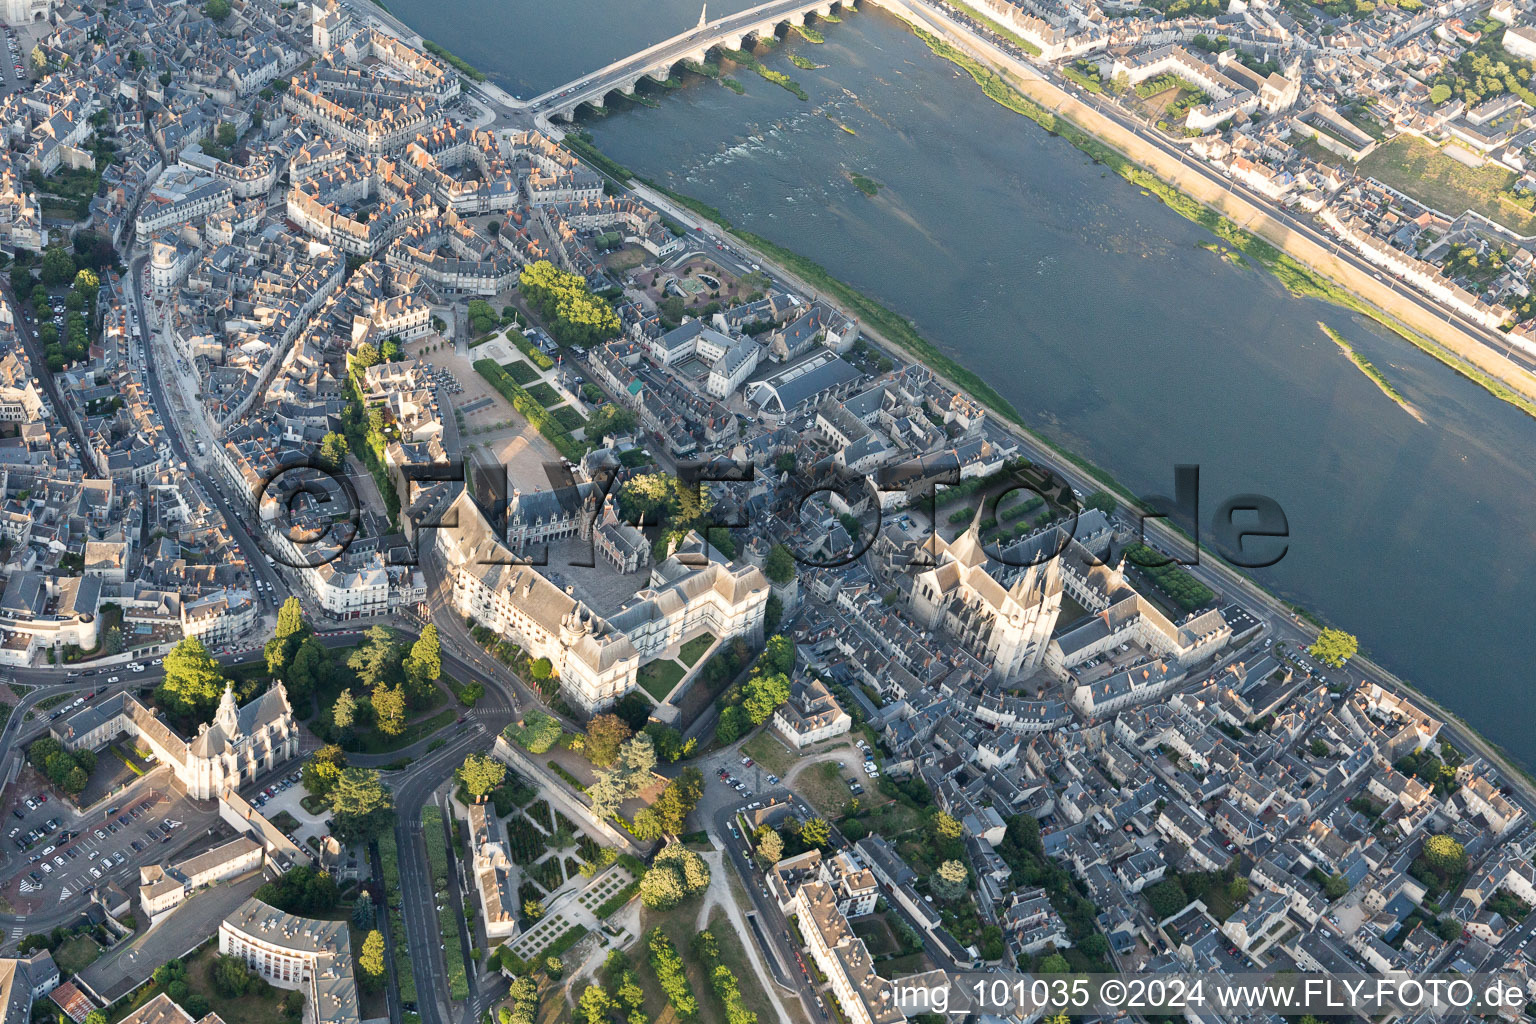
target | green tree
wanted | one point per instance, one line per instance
(763, 694)
(361, 806)
(218, 10)
(1166, 898)
(323, 770)
(950, 881)
(594, 1006)
(676, 874)
(1053, 963)
(946, 827)
(389, 709)
(732, 723)
(227, 135)
(779, 654)
(816, 832)
(1445, 855)
(1439, 94)
(770, 845)
(1333, 647)
(193, 682)
(779, 566)
(424, 665)
(344, 711)
(86, 283)
(669, 812)
(290, 619)
(311, 665)
(605, 735)
(481, 774)
(1103, 501)
(58, 267)
(376, 658)
(371, 960)
(42, 750)
(364, 356)
(333, 450)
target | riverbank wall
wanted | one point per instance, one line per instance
(1465, 351)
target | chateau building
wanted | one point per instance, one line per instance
(596, 658)
(240, 744)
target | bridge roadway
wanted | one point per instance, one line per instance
(657, 61)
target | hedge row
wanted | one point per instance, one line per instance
(531, 410)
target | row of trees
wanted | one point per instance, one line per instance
(753, 702)
(573, 314)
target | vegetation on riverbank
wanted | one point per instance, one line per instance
(1232, 256)
(1368, 368)
(1297, 278)
(779, 78)
(461, 65)
(809, 34)
(733, 85)
(804, 63)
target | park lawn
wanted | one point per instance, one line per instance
(876, 935)
(76, 953)
(257, 1008)
(545, 395)
(1416, 168)
(694, 649)
(374, 742)
(766, 749)
(521, 372)
(285, 821)
(680, 925)
(568, 417)
(734, 956)
(899, 966)
(658, 677)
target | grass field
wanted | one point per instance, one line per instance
(766, 749)
(734, 956)
(1416, 168)
(658, 677)
(694, 649)
(259, 1007)
(521, 372)
(76, 953)
(375, 742)
(544, 395)
(568, 418)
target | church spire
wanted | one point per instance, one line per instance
(228, 716)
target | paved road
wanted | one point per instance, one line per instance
(234, 515)
(27, 331)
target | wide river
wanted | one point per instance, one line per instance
(1091, 308)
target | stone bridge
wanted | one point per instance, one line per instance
(658, 61)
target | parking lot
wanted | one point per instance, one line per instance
(144, 824)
